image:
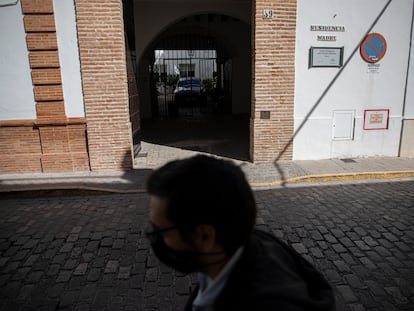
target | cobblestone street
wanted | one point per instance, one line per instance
(88, 253)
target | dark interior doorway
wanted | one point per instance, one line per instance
(191, 88)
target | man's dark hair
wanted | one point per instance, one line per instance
(207, 190)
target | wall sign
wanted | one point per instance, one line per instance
(373, 68)
(267, 14)
(376, 119)
(373, 48)
(326, 38)
(327, 28)
(325, 56)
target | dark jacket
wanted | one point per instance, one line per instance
(270, 275)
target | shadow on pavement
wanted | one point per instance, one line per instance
(85, 183)
(222, 135)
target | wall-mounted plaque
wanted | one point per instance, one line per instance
(326, 56)
(376, 119)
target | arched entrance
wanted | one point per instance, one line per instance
(195, 86)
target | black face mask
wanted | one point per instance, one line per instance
(182, 261)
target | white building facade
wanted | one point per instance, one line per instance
(334, 105)
(314, 85)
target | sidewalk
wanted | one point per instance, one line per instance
(260, 176)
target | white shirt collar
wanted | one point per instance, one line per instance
(211, 288)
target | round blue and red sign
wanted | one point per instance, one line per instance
(373, 48)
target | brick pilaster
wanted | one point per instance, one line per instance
(273, 81)
(39, 23)
(105, 85)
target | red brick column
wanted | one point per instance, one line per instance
(105, 84)
(273, 81)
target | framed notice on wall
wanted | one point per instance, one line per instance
(325, 57)
(376, 119)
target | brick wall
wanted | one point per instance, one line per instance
(52, 142)
(134, 114)
(20, 148)
(273, 81)
(43, 146)
(105, 84)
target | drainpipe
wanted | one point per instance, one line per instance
(406, 80)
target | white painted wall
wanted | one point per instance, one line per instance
(16, 90)
(355, 89)
(65, 20)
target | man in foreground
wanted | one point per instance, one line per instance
(202, 218)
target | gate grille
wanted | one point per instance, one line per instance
(187, 82)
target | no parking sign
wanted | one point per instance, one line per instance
(373, 48)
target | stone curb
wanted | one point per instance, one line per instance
(256, 185)
(335, 177)
(74, 187)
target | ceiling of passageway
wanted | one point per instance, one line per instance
(193, 1)
(153, 17)
(201, 32)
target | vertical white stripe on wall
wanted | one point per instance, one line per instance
(16, 89)
(65, 20)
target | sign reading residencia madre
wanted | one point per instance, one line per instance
(327, 28)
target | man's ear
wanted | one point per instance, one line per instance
(205, 238)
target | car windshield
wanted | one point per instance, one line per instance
(189, 83)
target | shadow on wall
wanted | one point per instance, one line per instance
(290, 142)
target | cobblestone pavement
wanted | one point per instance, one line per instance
(87, 252)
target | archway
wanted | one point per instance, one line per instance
(195, 86)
